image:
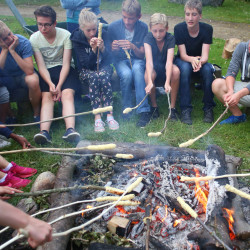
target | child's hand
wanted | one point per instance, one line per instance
(125, 44)
(115, 45)
(149, 88)
(93, 43)
(167, 88)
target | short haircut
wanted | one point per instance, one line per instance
(3, 27)
(158, 18)
(131, 7)
(194, 4)
(87, 17)
(46, 11)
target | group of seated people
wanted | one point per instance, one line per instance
(143, 60)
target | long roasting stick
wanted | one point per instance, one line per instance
(208, 178)
(98, 49)
(156, 134)
(186, 207)
(90, 147)
(127, 110)
(128, 56)
(237, 191)
(94, 111)
(191, 141)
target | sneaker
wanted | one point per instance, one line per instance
(234, 119)
(186, 116)
(144, 119)
(21, 172)
(174, 115)
(99, 126)
(154, 112)
(43, 137)
(113, 124)
(208, 116)
(71, 135)
(14, 182)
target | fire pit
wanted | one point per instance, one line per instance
(159, 221)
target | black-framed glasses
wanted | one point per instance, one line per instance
(45, 25)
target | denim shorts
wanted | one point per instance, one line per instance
(4, 95)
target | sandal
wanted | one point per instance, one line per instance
(99, 126)
(113, 124)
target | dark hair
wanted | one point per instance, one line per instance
(46, 11)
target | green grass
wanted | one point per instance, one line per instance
(234, 139)
(231, 10)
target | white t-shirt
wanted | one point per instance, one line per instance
(52, 53)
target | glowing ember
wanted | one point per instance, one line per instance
(87, 207)
(199, 193)
(228, 214)
(177, 222)
(166, 213)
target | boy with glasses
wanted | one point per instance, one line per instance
(52, 50)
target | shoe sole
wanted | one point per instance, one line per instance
(73, 137)
(41, 139)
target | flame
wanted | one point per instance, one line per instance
(228, 214)
(177, 222)
(88, 206)
(166, 213)
(199, 193)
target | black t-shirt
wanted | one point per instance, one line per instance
(193, 45)
(160, 57)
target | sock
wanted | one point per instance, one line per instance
(3, 179)
(8, 167)
(109, 118)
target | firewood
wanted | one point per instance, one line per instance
(127, 110)
(118, 225)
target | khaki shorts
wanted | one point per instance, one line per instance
(245, 100)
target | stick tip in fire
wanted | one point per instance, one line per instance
(154, 134)
(187, 143)
(124, 156)
(102, 110)
(127, 110)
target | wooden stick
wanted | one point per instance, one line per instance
(128, 56)
(191, 141)
(90, 147)
(98, 49)
(94, 111)
(237, 191)
(186, 207)
(156, 134)
(208, 178)
(127, 110)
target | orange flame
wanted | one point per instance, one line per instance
(177, 222)
(88, 206)
(166, 213)
(199, 193)
(229, 217)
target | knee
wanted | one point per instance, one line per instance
(126, 77)
(207, 70)
(218, 86)
(32, 81)
(175, 73)
(185, 69)
(68, 94)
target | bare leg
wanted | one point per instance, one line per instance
(153, 91)
(4, 111)
(47, 110)
(3, 163)
(220, 89)
(175, 80)
(68, 107)
(32, 82)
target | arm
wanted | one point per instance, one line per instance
(21, 140)
(235, 98)
(169, 68)
(5, 190)
(39, 231)
(3, 56)
(65, 67)
(149, 67)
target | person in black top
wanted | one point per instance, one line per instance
(193, 39)
(85, 42)
(160, 70)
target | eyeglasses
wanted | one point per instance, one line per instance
(45, 25)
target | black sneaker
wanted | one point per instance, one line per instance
(43, 137)
(71, 135)
(154, 112)
(174, 115)
(144, 119)
(208, 116)
(186, 116)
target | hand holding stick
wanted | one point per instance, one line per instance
(127, 110)
(98, 49)
(156, 134)
(191, 141)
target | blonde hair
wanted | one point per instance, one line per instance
(3, 28)
(158, 18)
(131, 7)
(194, 4)
(87, 17)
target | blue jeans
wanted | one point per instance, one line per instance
(129, 77)
(206, 75)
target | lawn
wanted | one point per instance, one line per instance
(234, 139)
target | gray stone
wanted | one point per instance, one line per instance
(44, 181)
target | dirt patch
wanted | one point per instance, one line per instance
(222, 30)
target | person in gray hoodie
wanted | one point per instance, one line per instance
(235, 92)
